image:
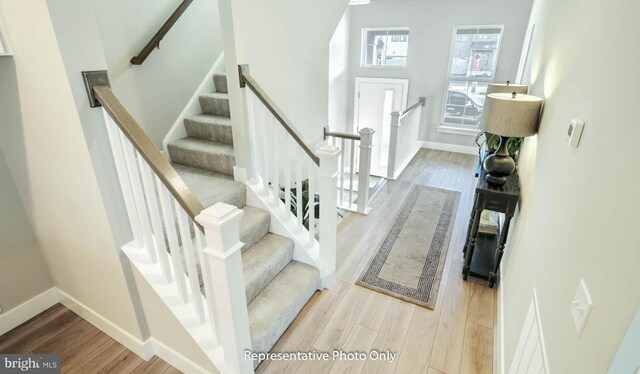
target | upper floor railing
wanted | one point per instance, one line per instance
(353, 194)
(159, 35)
(403, 139)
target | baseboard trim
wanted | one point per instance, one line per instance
(27, 310)
(174, 358)
(469, 150)
(133, 343)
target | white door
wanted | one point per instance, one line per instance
(375, 99)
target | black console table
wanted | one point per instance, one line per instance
(483, 253)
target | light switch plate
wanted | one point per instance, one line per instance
(581, 306)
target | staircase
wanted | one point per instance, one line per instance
(277, 287)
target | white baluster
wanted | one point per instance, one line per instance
(253, 142)
(275, 183)
(266, 134)
(287, 176)
(327, 178)
(156, 221)
(138, 197)
(224, 262)
(393, 144)
(352, 167)
(366, 136)
(172, 238)
(343, 161)
(311, 202)
(190, 261)
(299, 208)
(125, 185)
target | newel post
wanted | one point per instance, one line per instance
(328, 189)
(224, 263)
(366, 143)
(393, 144)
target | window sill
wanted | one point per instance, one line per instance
(458, 130)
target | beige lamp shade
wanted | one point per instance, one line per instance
(511, 116)
(507, 88)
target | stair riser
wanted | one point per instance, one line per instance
(202, 130)
(215, 106)
(220, 81)
(250, 235)
(219, 163)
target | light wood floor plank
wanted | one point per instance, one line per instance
(360, 340)
(478, 350)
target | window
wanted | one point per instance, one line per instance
(472, 66)
(385, 47)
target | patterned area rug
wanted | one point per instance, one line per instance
(409, 263)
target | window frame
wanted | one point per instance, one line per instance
(460, 128)
(363, 47)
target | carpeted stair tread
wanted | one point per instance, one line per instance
(254, 224)
(210, 187)
(263, 261)
(210, 127)
(216, 103)
(220, 81)
(203, 154)
(273, 310)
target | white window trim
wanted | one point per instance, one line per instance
(461, 129)
(363, 47)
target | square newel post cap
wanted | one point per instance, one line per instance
(218, 214)
(328, 155)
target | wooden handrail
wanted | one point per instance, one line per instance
(343, 135)
(420, 102)
(247, 80)
(164, 29)
(145, 147)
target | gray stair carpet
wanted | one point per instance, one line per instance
(277, 287)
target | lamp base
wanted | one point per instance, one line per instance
(499, 165)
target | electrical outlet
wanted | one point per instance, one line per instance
(581, 306)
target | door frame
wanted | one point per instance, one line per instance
(356, 95)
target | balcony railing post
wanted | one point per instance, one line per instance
(393, 144)
(366, 137)
(327, 180)
(222, 257)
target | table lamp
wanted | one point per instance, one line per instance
(507, 115)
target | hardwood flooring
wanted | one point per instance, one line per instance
(83, 348)
(456, 337)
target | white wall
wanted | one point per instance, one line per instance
(286, 44)
(157, 91)
(42, 140)
(339, 76)
(431, 26)
(580, 208)
(23, 273)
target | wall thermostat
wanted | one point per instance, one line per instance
(574, 132)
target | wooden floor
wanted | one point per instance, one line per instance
(83, 348)
(457, 337)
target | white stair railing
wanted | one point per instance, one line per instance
(296, 181)
(403, 139)
(173, 234)
(351, 178)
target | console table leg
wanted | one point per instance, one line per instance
(466, 244)
(499, 251)
(473, 235)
